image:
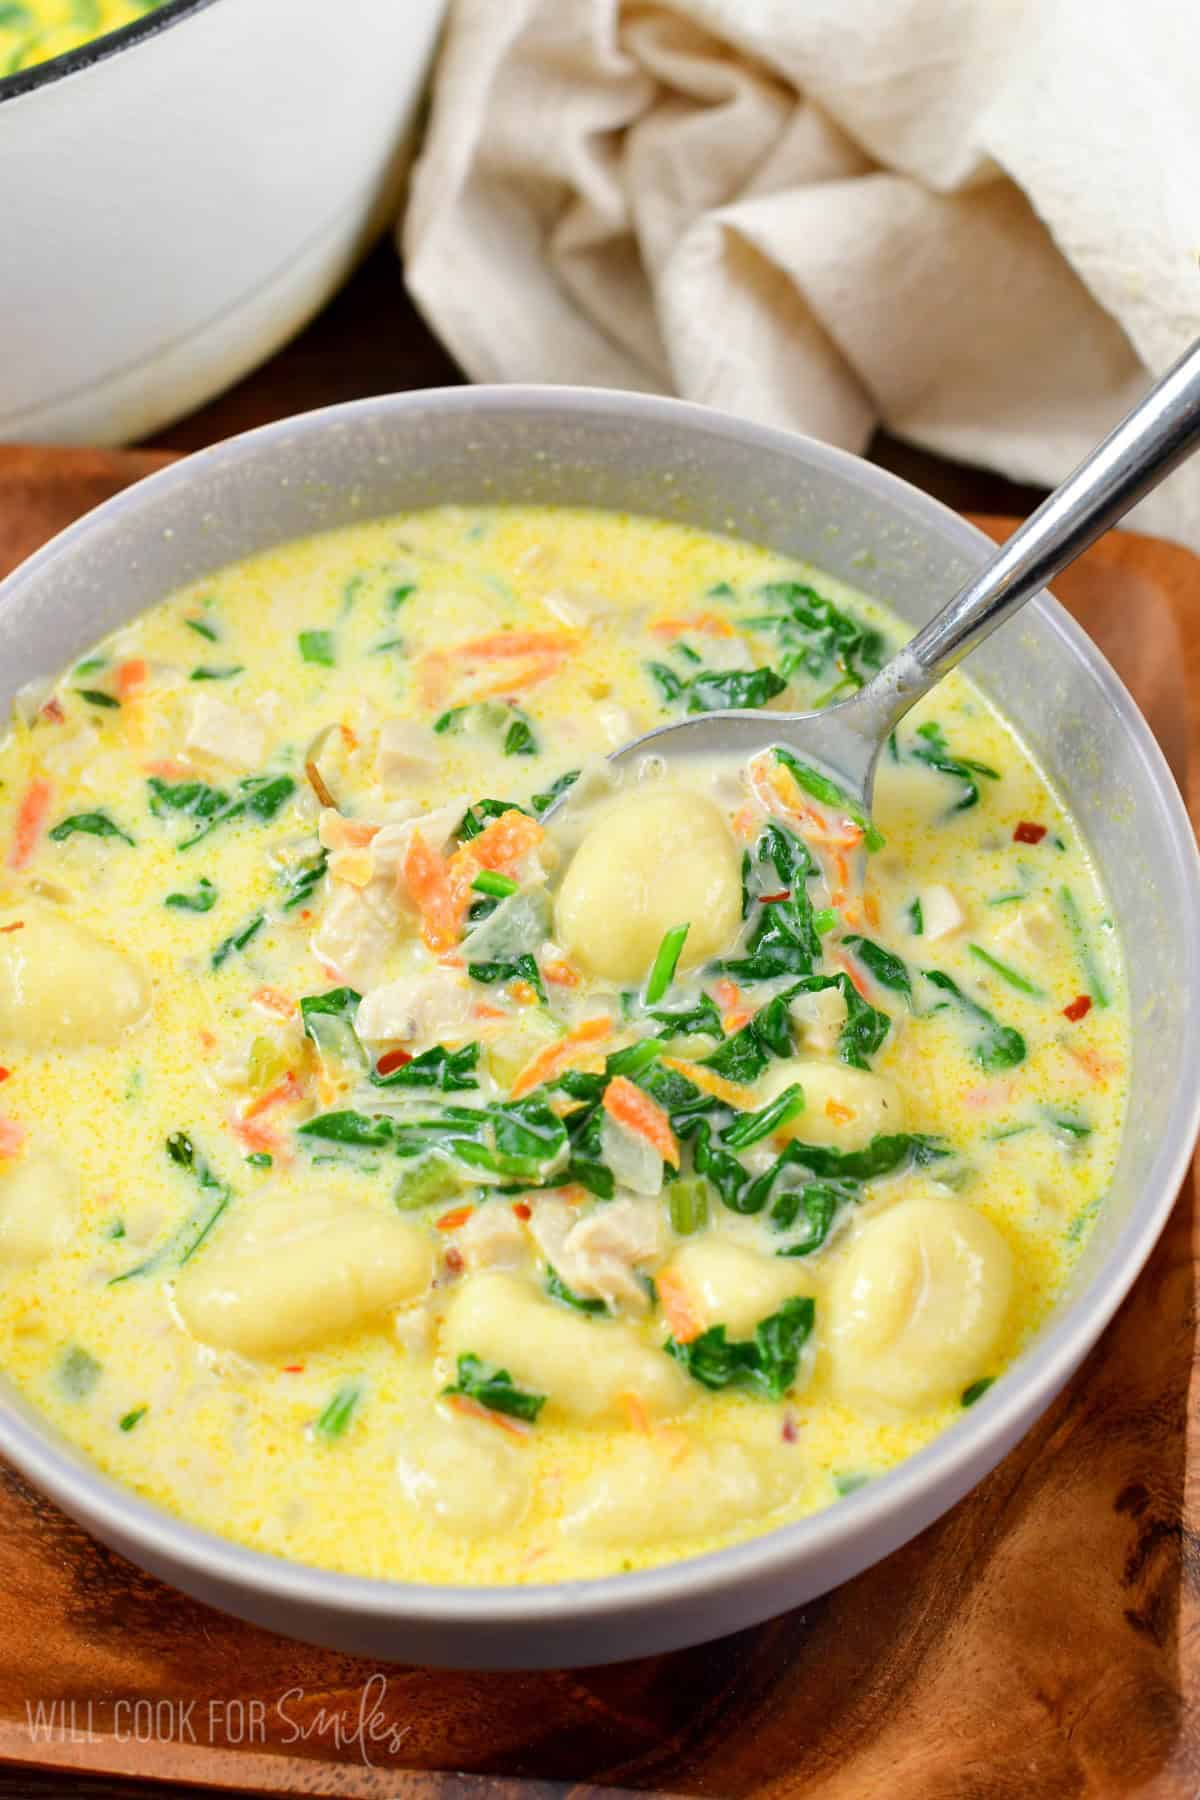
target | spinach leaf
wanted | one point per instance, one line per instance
(744, 1056)
(90, 824)
(749, 1127)
(708, 692)
(519, 739)
(318, 647)
(789, 856)
(819, 1203)
(996, 1046)
(214, 1196)
(258, 797)
(698, 1018)
(515, 968)
(351, 1128)
(206, 672)
(194, 798)
(934, 751)
(495, 1389)
(557, 1289)
(477, 816)
(783, 941)
(97, 697)
(337, 1414)
(328, 1020)
(301, 878)
(450, 1070)
(237, 940)
(765, 1363)
(817, 636)
(887, 969)
(202, 901)
(542, 802)
(829, 793)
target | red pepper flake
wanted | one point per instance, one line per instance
(1078, 1009)
(452, 1220)
(1029, 833)
(4, 1074)
(770, 899)
(53, 710)
(293, 1368)
(454, 1261)
(394, 1059)
(788, 1431)
(18, 925)
(522, 1211)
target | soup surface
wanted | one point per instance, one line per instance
(393, 1182)
(32, 31)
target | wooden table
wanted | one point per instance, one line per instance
(1038, 1641)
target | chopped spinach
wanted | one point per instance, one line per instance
(318, 647)
(557, 1289)
(78, 1373)
(887, 969)
(934, 751)
(829, 793)
(765, 1363)
(89, 824)
(542, 802)
(513, 968)
(519, 739)
(237, 940)
(495, 1389)
(337, 1414)
(818, 637)
(214, 1196)
(996, 1046)
(202, 901)
(450, 1070)
(301, 878)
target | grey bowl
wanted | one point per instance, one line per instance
(680, 462)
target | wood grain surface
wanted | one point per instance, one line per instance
(1039, 1640)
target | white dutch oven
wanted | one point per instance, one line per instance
(180, 196)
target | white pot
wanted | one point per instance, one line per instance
(181, 196)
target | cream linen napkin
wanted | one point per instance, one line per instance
(975, 220)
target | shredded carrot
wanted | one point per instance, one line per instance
(17, 925)
(857, 979)
(502, 844)
(463, 1403)
(523, 992)
(552, 1059)
(729, 997)
(30, 823)
(258, 1137)
(1097, 1067)
(815, 828)
(283, 1091)
(636, 1112)
(131, 675)
(560, 973)
(481, 1010)
(709, 1082)
(168, 769)
(456, 1217)
(427, 877)
(496, 644)
(709, 622)
(273, 999)
(677, 1306)
(12, 1137)
(841, 1115)
(871, 909)
(744, 823)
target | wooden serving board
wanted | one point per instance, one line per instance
(1040, 1640)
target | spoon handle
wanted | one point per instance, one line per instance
(1162, 429)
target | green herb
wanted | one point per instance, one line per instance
(687, 1203)
(557, 1289)
(202, 901)
(744, 1055)
(318, 647)
(237, 940)
(887, 969)
(386, 644)
(300, 880)
(476, 817)
(353, 1129)
(765, 1363)
(337, 1415)
(849, 1484)
(495, 1389)
(749, 1127)
(449, 720)
(97, 697)
(203, 629)
(977, 1390)
(1073, 1128)
(130, 1419)
(193, 798)
(934, 752)
(258, 797)
(450, 1070)
(204, 672)
(822, 788)
(89, 824)
(710, 691)
(215, 1196)
(519, 739)
(698, 1018)
(78, 1373)
(516, 968)
(116, 1230)
(90, 665)
(996, 1046)
(542, 802)
(916, 918)
(825, 921)
(400, 594)
(1092, 979)
(1008, 1131)
(1006, 973)
(488, 881)
(666, 960)
(816, 636)
(260, 1159)
(429, 1183)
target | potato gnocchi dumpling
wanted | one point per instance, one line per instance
(917, 1304)
(651, 860)
(404, 1177)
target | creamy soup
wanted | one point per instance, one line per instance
(395, 1182)
(32, 31)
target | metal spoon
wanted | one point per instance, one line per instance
(845, 740)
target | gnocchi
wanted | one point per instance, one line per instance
(62, 986)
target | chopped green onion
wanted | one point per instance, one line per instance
(318, 647)
(204, 672)
(687, 1201)
(130, 1419)
(1092, 980)
(1014, 979)
(916, 918)
(662, 974)
(203, 628)
(977, 1390)
(339, 1412)
(488, 881)
(96, 697)
(849, 1484)
(78, 1373)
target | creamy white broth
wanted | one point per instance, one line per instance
(244, 1255)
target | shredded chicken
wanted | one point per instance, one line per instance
(357, 930)
(820, 1017)
(597, 1255)
(415, 1010)
(406, 750)
(492, 1238)
(225, 732)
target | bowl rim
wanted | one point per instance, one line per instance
(98, 49)
(1001, 1415)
